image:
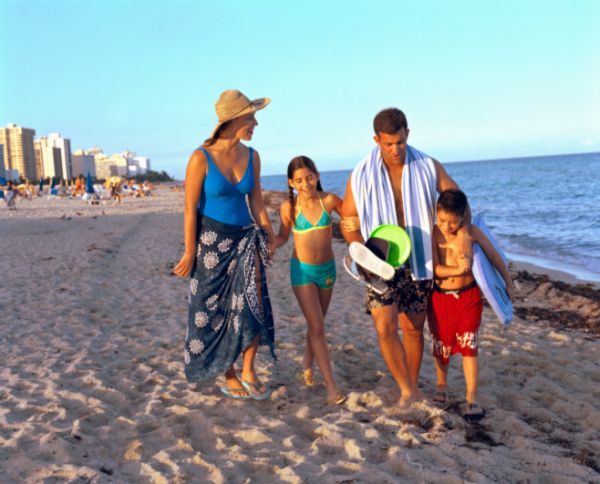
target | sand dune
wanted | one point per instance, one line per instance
(92, 385)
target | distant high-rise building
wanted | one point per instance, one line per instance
(18, 150)
(39, 158)
(143, 164)
(122, 164)
(53, 153)
(104, 165)
(83, 163)
(2, 167)
(50, 165)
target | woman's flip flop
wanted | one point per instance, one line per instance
(255, 392)
(242, 393)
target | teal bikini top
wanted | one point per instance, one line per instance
(301, 224)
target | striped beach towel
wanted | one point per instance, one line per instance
(374, 201)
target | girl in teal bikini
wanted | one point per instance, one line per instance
(312, 267)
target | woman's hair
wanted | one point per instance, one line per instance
(211, 141)
(453, 201)
(297, 163)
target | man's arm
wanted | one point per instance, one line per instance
(446, 182)
(350, 223)
(463, 244)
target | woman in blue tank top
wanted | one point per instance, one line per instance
(228, 240)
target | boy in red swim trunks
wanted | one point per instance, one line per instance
(454, 314)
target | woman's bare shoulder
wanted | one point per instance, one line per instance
(198, 157)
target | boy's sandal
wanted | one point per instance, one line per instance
(473, 413)
(256, 391)
(441, 395)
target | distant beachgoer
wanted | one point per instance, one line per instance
(11, 195)
(226, 253)
(455, 311)
(115, 192)
(396, 184)
(79, 188)
(312, 267)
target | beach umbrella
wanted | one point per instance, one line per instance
(116, 180)
(89, 186)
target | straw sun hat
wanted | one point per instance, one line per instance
(233, 104)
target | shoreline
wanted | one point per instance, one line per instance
(553, 274)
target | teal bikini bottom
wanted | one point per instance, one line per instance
(323, 275)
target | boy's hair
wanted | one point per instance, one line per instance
(453, 201)
(389, 121)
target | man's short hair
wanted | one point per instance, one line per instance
(389, 121)
(453, 201)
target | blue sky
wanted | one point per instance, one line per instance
(477, 79)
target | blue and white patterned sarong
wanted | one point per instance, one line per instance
(225, 312)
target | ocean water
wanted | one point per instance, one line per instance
(544, 210)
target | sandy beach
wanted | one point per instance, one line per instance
(92, 386)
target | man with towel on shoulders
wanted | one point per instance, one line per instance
(398, 184)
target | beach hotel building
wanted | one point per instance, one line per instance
(107, 166)
(53, 154)
(48, 159)
(18, 150)
(83, 163)
(2, 168)
(136, 165)
(139, 165)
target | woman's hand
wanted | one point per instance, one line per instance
(185, 264)
(272, 246)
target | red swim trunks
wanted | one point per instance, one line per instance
(454, 321)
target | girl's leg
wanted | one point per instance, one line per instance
(307, 297)
(309, 354)
(470, 369)
(309, 358)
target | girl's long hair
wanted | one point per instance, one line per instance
(297, 163)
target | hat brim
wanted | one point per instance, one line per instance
(255, 105)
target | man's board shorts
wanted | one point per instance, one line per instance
(454, 318)
(303, 273)
(408, 295)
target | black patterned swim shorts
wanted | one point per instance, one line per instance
(409, 295)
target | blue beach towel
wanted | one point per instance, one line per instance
(374, 201)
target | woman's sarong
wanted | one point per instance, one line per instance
(226, 310)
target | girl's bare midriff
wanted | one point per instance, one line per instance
(313, 247)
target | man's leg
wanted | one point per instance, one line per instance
(392, 351)
(412, 330)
